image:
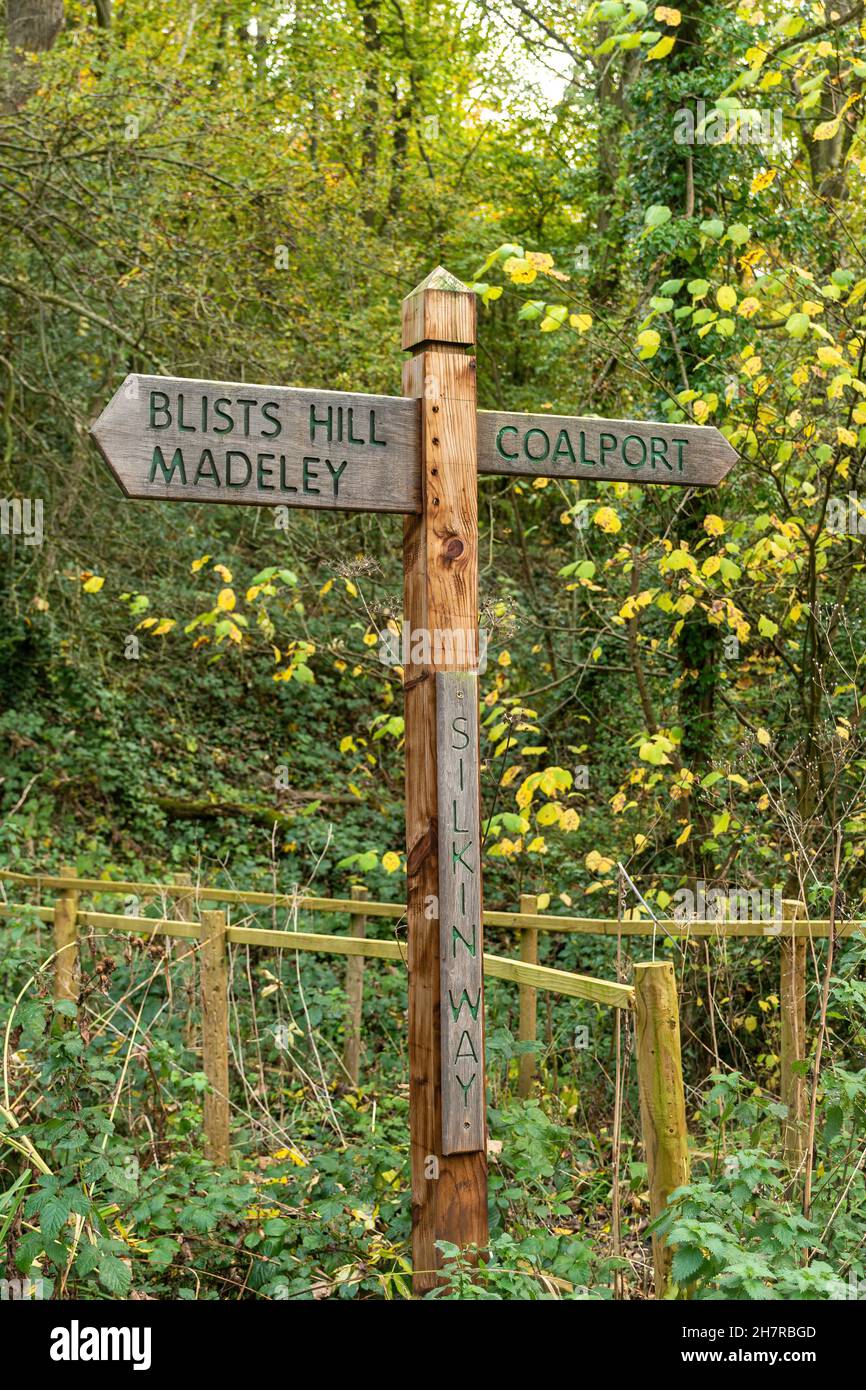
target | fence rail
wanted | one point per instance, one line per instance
(802, 927)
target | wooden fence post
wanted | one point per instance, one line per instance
(215, 1035)
(527, 1027)
(440, 601)
(66, 942)
(355, 993)
(662, 1098)
(183, 908)
(792, 1013)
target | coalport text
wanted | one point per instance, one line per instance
(251, 420)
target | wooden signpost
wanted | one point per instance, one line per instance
(171, 438)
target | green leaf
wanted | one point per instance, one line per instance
(115, 1276)
(657, 215)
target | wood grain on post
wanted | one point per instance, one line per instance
(662, 1098)
(215, 1035)
(440, 567)
(355, 993)
(66, 943)
(527, 1028)
(183, 908)
(792, 1011)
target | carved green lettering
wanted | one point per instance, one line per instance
(163, 406)
(308, 474)
(464, 999)
(506, 429)
(326, 422)
(564, 447)
(471, 948)
(336, 473)
(606, 443)
(457, 856)
(460, 1055)
(263, 472)
(272, 418)
(237, 482)
(536, 458)
(167, 472)
(585, 462)
(465, 1086)
(380, 443)
(206, 469)
(642, 443)
(181, 423)
(658, 448)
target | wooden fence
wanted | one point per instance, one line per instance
(652, 997)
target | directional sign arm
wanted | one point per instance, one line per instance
(635, 451)
(179, 439)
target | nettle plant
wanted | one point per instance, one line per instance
(738, 1231)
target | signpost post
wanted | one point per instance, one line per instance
(172, 438)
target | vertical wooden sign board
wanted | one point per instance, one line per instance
(461, 973)
(440, 568)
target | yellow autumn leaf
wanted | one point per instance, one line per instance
(847, 437)
(726, 297)
(607, 520)
(830, 356)
(714, 525)
(326, 588)
(569, 820)
(662, 48)
(581, 322)
(762, 180)
(648, 341)
(165, 625)
(351, 589)
(93, 584)
(663, 14)
(370, 639)
(226, 600)
(683, 836)
(224, 573)
(504, 659)
(390, 862)
(748, 307)
(197, 564)
(764, 738)
(827, 130)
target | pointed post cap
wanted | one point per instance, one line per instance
(439, 310)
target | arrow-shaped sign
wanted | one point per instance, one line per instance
(175, 439)
(634, 451)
